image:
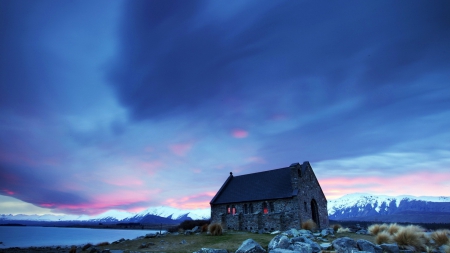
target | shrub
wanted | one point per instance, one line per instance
(393, 228)
(383, 237)
(374, 229)
(215, 229)
(309, 225)
(87, 246)
(73, 249)
(190, 224)
(102, 244)
(440, 237)
(410, 237)
(343, 230)
(205, 228)
(336, 227)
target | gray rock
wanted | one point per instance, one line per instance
(281, 251)
(250, 246)
(345, 245)
(317, 234)
(149, 236)
(188, 232)
(301, 247)
(362, 232)
(325, 246)
(390, 247)
(208, 250)
(195, 229)
(279, 242)
(365, 245)
(314, 246)
(92, 250)
(183, 242)
(327, 231)
(291, 232)
(304, 231)
(116, 251)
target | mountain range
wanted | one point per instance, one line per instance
(381, 208)
(351, 207)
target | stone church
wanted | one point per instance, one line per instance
(270, 200)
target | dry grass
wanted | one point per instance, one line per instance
(393, 228)
(440, 237)
(309, 225)
(215, 229)
(446, 248)
(374, 229)
(336, 227)
(343, 230)
(411, 237)
(205, 228)
(383, 237)
(102, 244)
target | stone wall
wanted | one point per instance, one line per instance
(282, 214)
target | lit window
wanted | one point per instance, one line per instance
(228, 210)
(233, 210)
(265, 210)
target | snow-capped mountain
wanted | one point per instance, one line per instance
(404, 208)
(159, 214)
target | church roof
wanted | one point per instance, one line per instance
(271, 184)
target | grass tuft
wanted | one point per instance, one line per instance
(411, 237)
(440, 237)
(309, 225)
(205, 228)
(343, 230)
(393, 228)
(383, 237)
(215, 229)
(374, 229)
(336, 227)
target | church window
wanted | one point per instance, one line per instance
(265, 210)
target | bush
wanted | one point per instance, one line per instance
(411, 237)
(190, 224)
(205, 228)
(102, 244)
(383, 237)
(215, 229)
(73, 249)
(393, 228)
(374, 229)
(336, 227)
(440, 237)
(309, 225)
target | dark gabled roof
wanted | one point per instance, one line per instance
(271, 184)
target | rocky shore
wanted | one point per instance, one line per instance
(289, 241)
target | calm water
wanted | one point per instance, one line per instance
(49, 236)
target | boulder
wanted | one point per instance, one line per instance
(390, 247)
(301, 247)
(314, 246)
(327, 231)
(195, 229)
(345, 245)
(188, 232)
(325, 246)
(148, 236)
(250, 246)
(183, 242)
(365, 245)
(208, 250)
(291, 232)
(275, 232)
(279, 242)
(282, 251)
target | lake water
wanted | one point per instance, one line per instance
(53, 236)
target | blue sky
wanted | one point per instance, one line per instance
(130, 104)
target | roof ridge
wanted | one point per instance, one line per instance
(261, 172)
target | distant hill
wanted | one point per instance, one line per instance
(380, 208)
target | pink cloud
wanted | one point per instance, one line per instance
(150, 167)
(192, 202)
(417, 184)
(256, 159)
(9, 192)
(239, 133)
(180, 149)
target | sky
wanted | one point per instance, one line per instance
(127, 105)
